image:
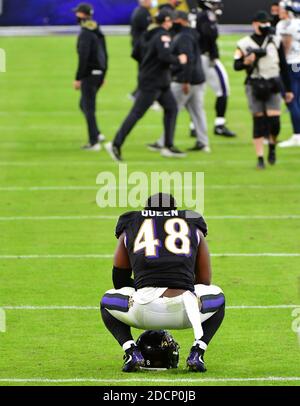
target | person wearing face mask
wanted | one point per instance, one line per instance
(275, 14)
(188, 81)
(91, 71)
(154, 85)
(140, 20)
(262, 56)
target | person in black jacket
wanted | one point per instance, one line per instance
(154, 84)
(140, 20)
(92, 67)
(188, 81)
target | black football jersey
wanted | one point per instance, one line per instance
(162, 246)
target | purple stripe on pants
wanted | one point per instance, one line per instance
(222, 80)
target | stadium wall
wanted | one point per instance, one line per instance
(107, 12)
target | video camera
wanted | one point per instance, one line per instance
(258, 52)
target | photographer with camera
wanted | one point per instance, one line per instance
(262, 56)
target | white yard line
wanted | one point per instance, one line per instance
(152, 380)
(111, 217)
(90, 187)
(108, 256)
(87, 308)
(100, 164)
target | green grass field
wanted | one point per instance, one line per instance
(48, 208)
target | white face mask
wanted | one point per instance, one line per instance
(154, 3)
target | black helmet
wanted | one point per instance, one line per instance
(159, 349)
(213, 5)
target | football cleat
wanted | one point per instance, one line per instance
(200, 147)
(294, 141)
(223, 131)
(195, 362)
(154, 147)
(172, 152)
(133, 360)
(89, 147)
(114, 151)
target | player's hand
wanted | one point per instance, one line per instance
(289, 97)
(77, 84)
(186, 88)
(250, 59)
(183, 59)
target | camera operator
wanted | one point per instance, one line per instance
(262, 56)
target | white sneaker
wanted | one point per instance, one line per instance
(294, 141)
(207, 149)
(89, 147)
(172, 152)
(101, 137)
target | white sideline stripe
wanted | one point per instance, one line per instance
(103, 256)
(242, 307)
(153, 380)
(103, 217)
(199, 164)
(87, 187)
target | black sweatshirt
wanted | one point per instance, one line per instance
(186, 42)
(284, 72)
(207, 27)
(91, 48)
(155, 72)
(140, 20)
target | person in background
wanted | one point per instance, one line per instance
(262, 56)
(289, 30)
(215, 72)
(92, 68)
(275, 14)
(140, 21)
(154, 84)
(188, 81)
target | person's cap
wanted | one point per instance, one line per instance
(181, 15)
(261, 17)
(85, 8)
(163, 14)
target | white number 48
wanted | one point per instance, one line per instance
(177, 231)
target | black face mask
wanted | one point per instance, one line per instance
(275, 20)
(265, 30)
(176, 27)
(80, 20)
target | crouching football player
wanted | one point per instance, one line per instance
(166, 251)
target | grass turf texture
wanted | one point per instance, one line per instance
(41, 131)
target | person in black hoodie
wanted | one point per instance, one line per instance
(92, 67)
(188, 81)
(154, 84)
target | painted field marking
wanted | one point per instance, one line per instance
(153, 380)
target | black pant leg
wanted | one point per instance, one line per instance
(120, 331)
(168, 102)
(144, 100)
(89, 89)
(211, 326)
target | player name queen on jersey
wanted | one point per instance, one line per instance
(162, 246)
